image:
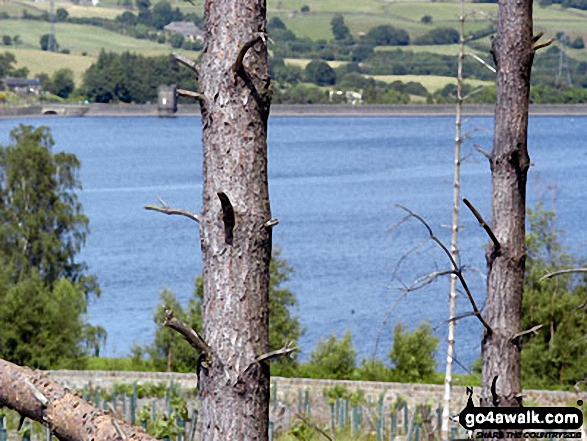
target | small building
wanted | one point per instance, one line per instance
(23, 86)
(186, 28)
(167, 100)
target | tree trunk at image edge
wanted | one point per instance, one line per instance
(235, 236)
(513, 53)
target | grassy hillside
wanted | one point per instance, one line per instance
(360, 16)
(38, 61)
(78, 38)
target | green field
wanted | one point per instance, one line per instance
(360, 16)
(431, 82)
(38, 61)
(78, 38)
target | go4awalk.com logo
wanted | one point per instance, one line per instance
(522, 422)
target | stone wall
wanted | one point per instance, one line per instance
(291, 392)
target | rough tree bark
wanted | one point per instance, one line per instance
(513, 52)
(235, 223)
(34, 395)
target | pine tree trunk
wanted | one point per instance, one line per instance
(235, 240)
(513, 53)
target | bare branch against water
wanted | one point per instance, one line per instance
(561, 272)
(456, 269)
(497, 245)
(172, 211)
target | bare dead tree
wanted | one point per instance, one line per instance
(513, 52)
(67, 416)
(454, 250)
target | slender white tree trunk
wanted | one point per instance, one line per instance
(455, 231)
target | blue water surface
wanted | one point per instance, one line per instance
(334, 185)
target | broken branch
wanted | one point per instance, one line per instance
(189, 94)
(286, 350)
(482, 61)
(560, 272)
(185, 61)
(519, 335)
(238, 64)
(482, 222)
(456, 269)
(173, 211)
(482, 151)
(536, 45)
(271, 223)
(191, 336)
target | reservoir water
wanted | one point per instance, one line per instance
(334, 184)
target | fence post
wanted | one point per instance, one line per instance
(332, 425)
(299, 401)
(133, 403)
(274, 390)
(3, 435)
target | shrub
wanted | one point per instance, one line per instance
(439, 36)
(413, 353)
(387, 35)
(320, 73)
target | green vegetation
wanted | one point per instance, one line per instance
(43, 229)
(413, 353)
(130, 78)
(557, 354)
(370, 33)
(170, 352)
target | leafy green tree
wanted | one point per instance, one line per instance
(170, 350)
(163, 14)
(43, 288)
(320, 73)
(143, 5)
(130, 77)
(557, 354)
(387, 35)
(61, 83)
(332, 358)
(439, 36)
(426, 19)
(176, 40)
(48, 43)
(6, 40)
(275, 23)
(128, 18)
(7, 61)
(340, 30)
(61, 14)
(413, 353)
(578, 43)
